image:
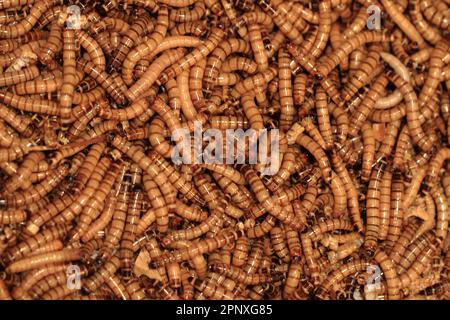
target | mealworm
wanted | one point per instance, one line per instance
(426, 240)
(435, 166)
(403, 241)
(240, 276)
(299, 88)
(50, 282)
(413, 188)
(442, 213)
(279, 244)
(4, 292)
(190, 59)
(336, 276)
(25, 25)
(152, 73)
(416, 131)
(87, 84)
(50, 211)
(12, 217)
(323, 31)
(435, 69)
(155, 165)
(433, 15)
(157, 137)
(417, 267)
(158, 203)
(75, 208)
(199, 262)
(69, 78)
(273, 204)
(92, 48)
(129, 233)
(390, 274)
(141, 70)
(339, 194)
(390, 137)
(373, 209)
(217, 57)
(304, 59)
(368, 152)
(35, 193)
(309, 126)
(363, 110)
(284, 25)
(195, 88)
(287, 168)
(93, 206)
(110, 267)
(368, 69)
(106, 81)
(19, 180)
(385, 201)
(22, 124)
(54, 44)
(184, 15)
(141, 26)
(135, 290)
(42, 259)
(239, 193)
(135, 109)
(314, 232)
(82, 122)
(329, 62)
(29, 105)
(323, 117)
(166, 114)
(196, 28)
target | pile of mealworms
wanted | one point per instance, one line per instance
(93, 206)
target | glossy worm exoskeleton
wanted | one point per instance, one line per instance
(141, 26)
(217, 57)
(194, 87)
(318, 153)
(350, 188)
(204, 246)
(106, 81)
(362, 112)
(75, 208)
(363, 73)
(158, 203)
(93, 206)
(43, 259)
(403, 23)
(155, 164)
(373, 224)
(92, 48)
(50, 211)
(152, 73)
(38, 191)
(190, 59)
(329, 62)
(69, 78)
(129, 233)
